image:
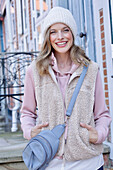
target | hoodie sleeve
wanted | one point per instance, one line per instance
(101, 113)
(28, 110)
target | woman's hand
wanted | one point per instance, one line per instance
(93, 134)
(36, 129)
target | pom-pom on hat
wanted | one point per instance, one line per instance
(59, 15)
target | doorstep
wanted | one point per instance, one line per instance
(11, 148)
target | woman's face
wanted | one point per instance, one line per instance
(61, 38)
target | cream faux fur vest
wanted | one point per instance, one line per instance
(51, 109)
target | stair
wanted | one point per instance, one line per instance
(2, 124)
(11, 148)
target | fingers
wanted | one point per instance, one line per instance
(93, 134)
(36, 129)
(88, 127)
(42, 125)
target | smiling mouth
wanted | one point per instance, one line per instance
(61, 44)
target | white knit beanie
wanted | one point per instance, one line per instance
(59, 15)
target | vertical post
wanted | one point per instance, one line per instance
(51, 3)
(2, 48)
(82, 24)
(8, 13)
(41, 13)
(1, 37)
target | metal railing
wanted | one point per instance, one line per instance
(13, 67)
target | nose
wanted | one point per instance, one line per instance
(60, 35)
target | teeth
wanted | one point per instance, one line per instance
(62, 43)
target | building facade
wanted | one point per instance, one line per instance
(21, 25)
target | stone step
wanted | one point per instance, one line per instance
(13, 166)
(2, 124)
(11, 157)
(2, 118)
(2, 127)
(11, 148)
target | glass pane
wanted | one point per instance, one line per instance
(45, 7)
(63, 3)
(41, 6)
(25, 13)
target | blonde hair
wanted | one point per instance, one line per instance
(44, 59)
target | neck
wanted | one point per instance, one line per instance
(62, 58)
(64, 62)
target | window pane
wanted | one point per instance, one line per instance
(42, 8)
(25, 13)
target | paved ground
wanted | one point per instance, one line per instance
(11, 147)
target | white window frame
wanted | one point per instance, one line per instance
(112, 27)
(40, 19)
(6, 33)
(112, 50)
(112, 14)
(12, 7)
(25, 14)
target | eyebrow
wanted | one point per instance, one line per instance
(55, 29)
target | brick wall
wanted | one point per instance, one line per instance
(103, 48)
(104, 62)
(30, 23)
(107, 161)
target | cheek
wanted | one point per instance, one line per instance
(69, 36)
(52, 38)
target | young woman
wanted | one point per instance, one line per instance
(49, 84)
